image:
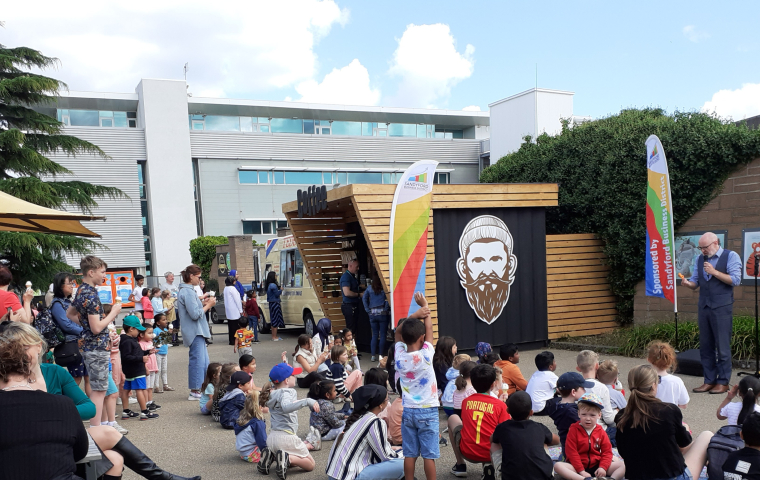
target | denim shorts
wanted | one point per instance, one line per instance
(686, 475)
(419, 429)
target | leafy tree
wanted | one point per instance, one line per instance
(203, 251)
(600, 167)
(26, 138)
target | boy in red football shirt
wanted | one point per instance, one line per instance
(481, 413)
(588, 448)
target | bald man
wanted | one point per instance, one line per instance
(716, 273)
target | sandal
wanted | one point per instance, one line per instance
(168, 388)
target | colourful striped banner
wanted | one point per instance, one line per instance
(407, 239)
(660, 256)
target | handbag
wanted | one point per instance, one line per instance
(67, 353)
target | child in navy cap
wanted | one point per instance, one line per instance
(283, 445)
(234, 399)
(571, 386)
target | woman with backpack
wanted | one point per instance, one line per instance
(63, 290)
(651, 436)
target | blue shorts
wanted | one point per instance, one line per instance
(138, 383)
(111, 385)
(419, 429)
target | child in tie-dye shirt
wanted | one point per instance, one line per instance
(414, 363)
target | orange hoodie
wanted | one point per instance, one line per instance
(511, 374)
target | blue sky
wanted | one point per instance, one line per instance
(440, 54)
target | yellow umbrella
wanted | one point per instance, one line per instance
(17, 215)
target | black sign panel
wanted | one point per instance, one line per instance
(221, 259)
(312, 201)
(501, 245)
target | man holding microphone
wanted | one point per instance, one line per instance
(716, 273)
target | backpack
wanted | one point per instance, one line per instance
(48, 328)
(725, 441)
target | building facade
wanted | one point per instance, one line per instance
(206, 166)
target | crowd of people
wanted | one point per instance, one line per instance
(600, 430)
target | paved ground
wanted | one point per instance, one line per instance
(187, 443)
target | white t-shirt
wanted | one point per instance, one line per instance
(137, 293)
(420, 389)
(198, 290)
(541, 388)
(732, 410)
(672, 390)
(608, 414)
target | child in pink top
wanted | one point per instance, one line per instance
(151, 366)
(147, 306)
(116, 373)
(464, 387)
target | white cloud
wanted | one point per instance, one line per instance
(429, 65)
(694, 35)
(736, 104)
(233, 48)
(348, 85)
(472, 108)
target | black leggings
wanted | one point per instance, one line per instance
(306, 381)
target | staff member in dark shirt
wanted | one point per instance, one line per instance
(651, 434)
(349, 286)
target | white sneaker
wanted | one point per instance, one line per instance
(315, 438)
(118, 401)
(120, 429)
(132, 400)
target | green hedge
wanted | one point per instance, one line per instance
(600, 167)
(202, 253)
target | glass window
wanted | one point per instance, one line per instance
(120, 119)
(439, 135)
(328, 178)
(342, 178)
(286, 125)
(402, 130)
(263, 120)
(458, 133)
(365, 177)
(246, 124)
(279, 177)
(282, 224)
(248, 176)
(132, 123)
(441, 177)
(421, 131)
(62, 113)
(265, 177)
(251, 228)
(106, 122)
(222, 123)
(325, 130)
(131, 114)
(197, 125)
(367, 128)
(347, 128)
(387, 178)
(308, 126)
(84, 118)
(106, 114)
(148, 265)
(140, 178)
(448, 135)
(264, 128)
(266, 228)
(382, 133)
(303, 178)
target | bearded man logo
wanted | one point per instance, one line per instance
(486, 266)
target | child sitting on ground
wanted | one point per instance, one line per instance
(344, 383)
(395, 417)
(490, 359)
(213, 372)
(588, 449)
(745, 463)
(247, 364)
(571, 386)
(463, 386)
(220, 388)
(471, 434)
(671, 388)
(250, 429)
(748, 390)
(542, 384)
(234, 400)
(283, 445)
(608, 374)
(414, 362)
(524, 442)
(447, 399)
(327, 422)
(510, 372)
(587, 364)
(353, 353)
(243, 338)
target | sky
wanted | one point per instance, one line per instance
(677, 55)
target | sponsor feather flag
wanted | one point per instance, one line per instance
(660, 255)
(407, 239)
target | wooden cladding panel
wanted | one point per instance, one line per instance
(579, 298)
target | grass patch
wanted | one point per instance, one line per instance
(632, 341)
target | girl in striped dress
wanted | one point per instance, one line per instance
(363, 451)
(275, 309)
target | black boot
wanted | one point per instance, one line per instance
(110, 477)
(139, 463)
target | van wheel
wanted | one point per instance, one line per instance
(308, 323)
(264, 327)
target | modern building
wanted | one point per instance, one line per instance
(208, 166)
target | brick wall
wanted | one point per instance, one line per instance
(736, 207)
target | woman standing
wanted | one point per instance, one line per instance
(651, 436)
(233, 307)
(191, 312)
(275, 309)
(63, 288)
(378, 309)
